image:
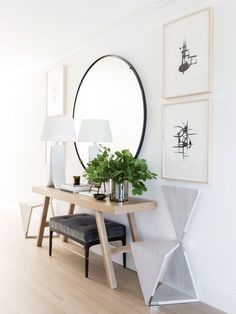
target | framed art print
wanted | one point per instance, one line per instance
(55, 85)
(55, 97)
(187, 55)
(186, 141)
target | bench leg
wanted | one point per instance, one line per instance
(86, 251)
(124, 254)
(70, 212)
(50, 242)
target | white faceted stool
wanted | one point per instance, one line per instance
(26, 215)
(162, 265)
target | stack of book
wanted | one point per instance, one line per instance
(75, 188)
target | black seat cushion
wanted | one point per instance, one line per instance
(83, 227)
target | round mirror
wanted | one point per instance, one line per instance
(110, 91)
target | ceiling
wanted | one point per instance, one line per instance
(34, 32)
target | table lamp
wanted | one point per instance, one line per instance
(58, 129)
(95, 131)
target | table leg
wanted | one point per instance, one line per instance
(70, 212)
(105, 250)
(43, 223)
(133, 227)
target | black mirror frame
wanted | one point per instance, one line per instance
(143, 98)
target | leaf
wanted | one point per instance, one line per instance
(119, 166)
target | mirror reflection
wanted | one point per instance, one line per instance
(110, 90)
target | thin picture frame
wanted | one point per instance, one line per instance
(194, 167)
(55, 97)
(198, 77)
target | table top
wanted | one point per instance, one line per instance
(106, 206)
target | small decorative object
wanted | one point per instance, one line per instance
(96, 186)
(100, 196)
(186, 141)
(76, 180)
(121, 168)
(187, 51)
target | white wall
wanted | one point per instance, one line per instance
(212, 234)
(22, 101)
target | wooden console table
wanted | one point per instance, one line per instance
(130, 207)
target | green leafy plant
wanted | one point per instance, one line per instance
(119, 167)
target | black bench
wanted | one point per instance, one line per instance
(82, 228)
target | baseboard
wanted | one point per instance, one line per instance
(217, 296)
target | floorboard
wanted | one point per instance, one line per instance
(31, 282)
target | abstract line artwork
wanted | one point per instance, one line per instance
(187, 55)
(55, 92)
(184, 139)
(186, 60)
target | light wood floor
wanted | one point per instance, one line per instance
(33, 283)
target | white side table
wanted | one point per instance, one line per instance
(26, 215)
(163, 268)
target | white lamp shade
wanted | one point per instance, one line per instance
(95, 131)
(59, 129)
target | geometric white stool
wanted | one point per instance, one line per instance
(26, 214)
(162, 265)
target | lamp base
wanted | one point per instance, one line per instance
(57, 166)
(93, 151)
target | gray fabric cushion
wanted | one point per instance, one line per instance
(83, 227)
